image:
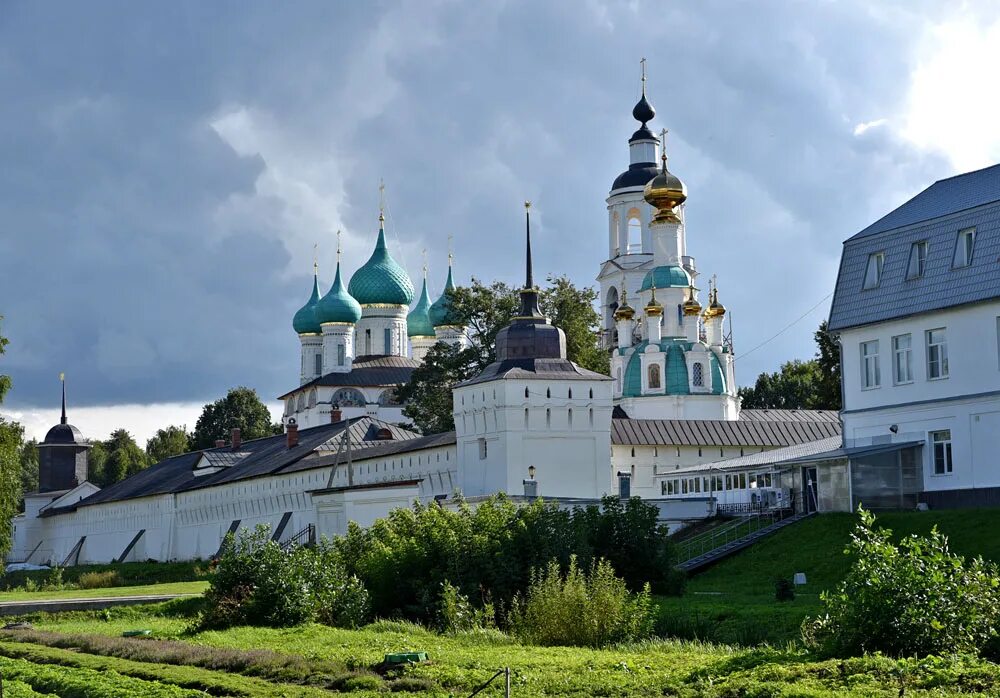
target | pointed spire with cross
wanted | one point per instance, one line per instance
(62, 379)
(381, 199)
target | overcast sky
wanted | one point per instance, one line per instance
(168, 167)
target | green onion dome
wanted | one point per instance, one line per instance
(418, 322)
(304, 321)
(338, 305)
(441, 313)
(381, 280)
(667, 276)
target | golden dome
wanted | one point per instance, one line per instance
(665, 192)
(691, 305)
(715, 308)
(624, 311)
(653, 308)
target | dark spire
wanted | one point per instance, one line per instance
(529, 294)
(62, 379)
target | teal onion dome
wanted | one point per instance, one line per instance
(338, 305)
(381, 280)
(418, 322)
(667, 276)
(441, 313)
(304, 321)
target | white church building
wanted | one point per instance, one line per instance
(531, 424)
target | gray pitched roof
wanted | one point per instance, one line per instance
(936, 215)
(764, 458)
(717, 432)
(535, 369)
(366, 371)
(267, 456)
(766, 415)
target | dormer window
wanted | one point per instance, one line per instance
(918, 260)
(964, 247)
(873, 273)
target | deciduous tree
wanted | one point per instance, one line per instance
(11, 438)
(168, 442)
(241, 408)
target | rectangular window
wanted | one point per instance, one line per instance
(902, 359)
(870, 377)
(482, 449)
(941, 448)
(964, 247)
(873, 272)
(729, 482)
(667, 487)
(341, 355)
(684, 486)
(624, 486)
(743, 481)
(319, 364)
(388, 340)
(918, 260)
(937, 354)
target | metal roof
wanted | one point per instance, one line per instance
(718, 432)
(851, 452)
(535, 369)
(765, 415)
(936, 216)
(761, 458)
(366, 371)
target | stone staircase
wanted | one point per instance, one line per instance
(709, 548)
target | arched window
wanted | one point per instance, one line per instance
(654, 376)
(611, 302)
(348, 397)
(591, 393)
(548, 418)
(698, 374)
(548, 392)
(570, 394)
(634, 231)
(525, 417)
(525, 391)
(302, 402)
(312, 397)
(569, 417)
(388, 398)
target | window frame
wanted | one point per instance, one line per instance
(942, 353)
(876, 373)
(698, 375)
(896, 351)
(653, 370)
(948, 464)
(921, 263)
(968, 250)
(879, 259)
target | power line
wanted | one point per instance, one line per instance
(786, 327)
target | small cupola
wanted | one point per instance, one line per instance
(305, 322)
(691, 305)
(665, 192)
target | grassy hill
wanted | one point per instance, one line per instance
(733, 601)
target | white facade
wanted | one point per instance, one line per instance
(381, 330)
(562, 428)
(914, 396)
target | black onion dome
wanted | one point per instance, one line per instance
(637, 175)
(643, 111)
(64, 434)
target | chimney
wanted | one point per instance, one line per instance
(235, 441)
(292, 433)
(219, 443)
(336, 415)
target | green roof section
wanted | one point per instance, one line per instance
(718, 378)
(304, 321)
(441, 312)
(667, 276)
(338, 305)
(677, 372)
(381, 280)
(418, 322)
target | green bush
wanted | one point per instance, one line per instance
(593, 609)
(784, 589)
(914, 599)
(488, 552)
(456, 613)
(258, 583)
(98, 580)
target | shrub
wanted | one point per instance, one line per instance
(593, 609)
(54, 580)
(489, 551)
(258, 583)
(916, 598)
(98, 580)
(784, 590)
(457, 614)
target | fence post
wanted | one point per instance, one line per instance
(506, 673)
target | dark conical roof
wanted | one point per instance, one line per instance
(64, 433)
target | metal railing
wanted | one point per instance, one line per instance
(307, 537)
(731, 532)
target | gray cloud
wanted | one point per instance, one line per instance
(168, 168)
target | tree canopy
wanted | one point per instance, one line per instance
(800, 385)
(168, 442)
(11, 439)
(484, 310)
(116, 458)
(241, 409)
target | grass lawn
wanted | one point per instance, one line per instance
(142, 590)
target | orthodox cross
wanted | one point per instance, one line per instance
(381, 196)
(642, 64)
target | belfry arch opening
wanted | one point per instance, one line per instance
(633, 231)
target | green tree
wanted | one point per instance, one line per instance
(11, 438)
(242, 409)
(828, 359)
(572, 310)
(96, 460)
(484, 310)
(124, 457)
(168, 442)
(800, 385)
(29, 466)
